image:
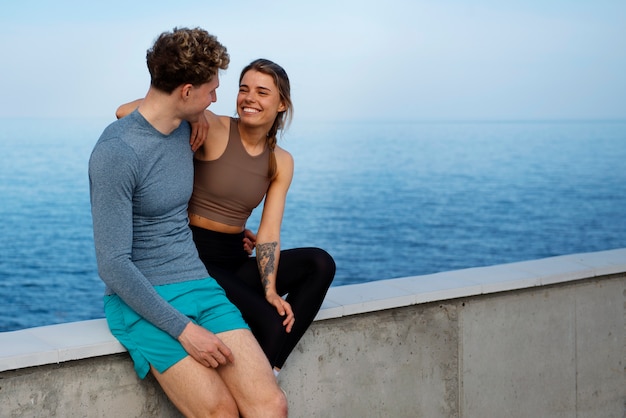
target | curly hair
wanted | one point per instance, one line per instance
(283, 119)
(185, 56)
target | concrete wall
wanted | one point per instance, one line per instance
(551, 352)
(544, 338)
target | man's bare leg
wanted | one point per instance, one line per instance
(196, 390)
(250, 378)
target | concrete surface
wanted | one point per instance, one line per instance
(542, 338)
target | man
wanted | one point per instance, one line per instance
(160, 302)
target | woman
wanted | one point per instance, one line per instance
(238, 165)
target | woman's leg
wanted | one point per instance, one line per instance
(304, 275)
(263, 319)
(237, 273)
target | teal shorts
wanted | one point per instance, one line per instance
(203, 301)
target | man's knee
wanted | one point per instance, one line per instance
(278, 406)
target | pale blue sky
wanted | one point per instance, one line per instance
(354, 59)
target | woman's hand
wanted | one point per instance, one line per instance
(284, 309)
(249, 241)
(199, 132)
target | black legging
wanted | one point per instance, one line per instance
(304, 275)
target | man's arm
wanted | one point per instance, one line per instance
(111, 174)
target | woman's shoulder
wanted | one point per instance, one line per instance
(217, 121)
(283, 153)
(217, 137)
(284, 160)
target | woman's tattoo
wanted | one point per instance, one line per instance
(266, 259)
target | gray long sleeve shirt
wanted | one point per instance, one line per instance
(140, 183)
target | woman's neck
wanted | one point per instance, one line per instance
(253, 137)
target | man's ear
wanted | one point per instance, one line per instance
(185, 91)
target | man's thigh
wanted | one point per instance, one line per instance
(250, 376)
(195, 389)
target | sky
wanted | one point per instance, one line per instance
(387, 60)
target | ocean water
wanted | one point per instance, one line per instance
(385, 199)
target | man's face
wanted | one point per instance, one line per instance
(201, 97)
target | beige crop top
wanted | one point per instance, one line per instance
(227, 189)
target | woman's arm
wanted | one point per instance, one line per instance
(127, 108)
(199, 129)
(208, 129)
(268, 236)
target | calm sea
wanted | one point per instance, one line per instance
(385, 199)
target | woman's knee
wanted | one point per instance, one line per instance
(325, 264)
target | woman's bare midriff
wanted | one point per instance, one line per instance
(202, 222)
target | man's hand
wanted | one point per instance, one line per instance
(204, 346)
(199, 132)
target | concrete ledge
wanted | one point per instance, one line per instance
(543, 338)
(55, 344)
(80, 340)
(406, 291)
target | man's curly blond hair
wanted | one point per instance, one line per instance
(185, 56)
